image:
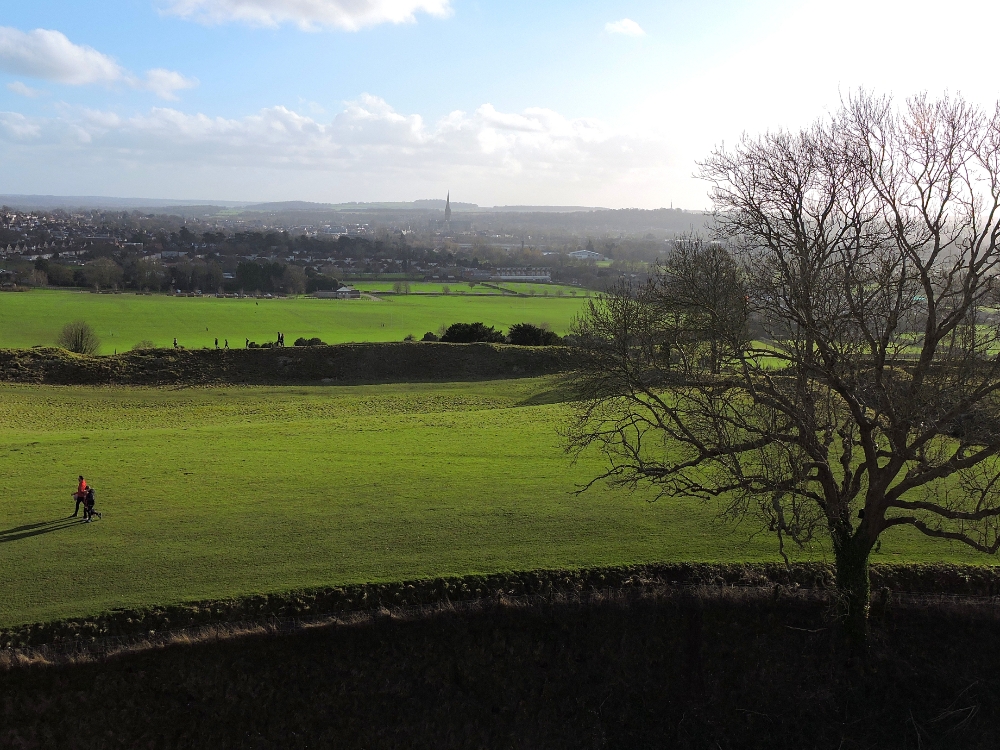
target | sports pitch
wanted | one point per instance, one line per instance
(215, 492)
(122, 320)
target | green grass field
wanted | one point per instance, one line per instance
(211, 492)
(121, 320)
(463, 288)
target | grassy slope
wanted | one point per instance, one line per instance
(216, 492)
(121, 320)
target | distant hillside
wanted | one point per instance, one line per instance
(50, 202)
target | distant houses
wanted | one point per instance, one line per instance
(345, 292)
(523, 274)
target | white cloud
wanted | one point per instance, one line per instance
(164, 83)
(349, 15)
(51, 56)
(626, 26)
(368, 148)
(19, 88)
(48, 54)
(17, 127)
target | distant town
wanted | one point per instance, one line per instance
(281, 250)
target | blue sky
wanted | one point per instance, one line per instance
(592, 103)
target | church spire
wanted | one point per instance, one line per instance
(447, 207)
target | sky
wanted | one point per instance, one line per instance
(500, 102)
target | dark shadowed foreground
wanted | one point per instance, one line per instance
(699, 668)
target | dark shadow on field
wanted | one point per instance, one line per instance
(35, 529)
(558, 394)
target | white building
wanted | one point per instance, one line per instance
(586, 255)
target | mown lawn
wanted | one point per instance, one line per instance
(223, 491)
(121, 320)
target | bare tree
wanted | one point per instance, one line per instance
(79, 337)
(867, 246)
(699, 293)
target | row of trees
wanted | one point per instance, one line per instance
(830, 366)
(152, 275)
(520, 334)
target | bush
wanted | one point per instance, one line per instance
(526, 334)
(471, 333)
(79, 337)
(430, 337)
(409, 337)
(143, 345)
(309, 342)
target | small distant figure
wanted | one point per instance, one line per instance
(281, 339)
(216, 342)
(80, 495)
(175, 343)
(88, 507)
(248, 343)
(227, 344)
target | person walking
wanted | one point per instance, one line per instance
(175, 342)
(80, 495)
(216, 342)
(227, 344)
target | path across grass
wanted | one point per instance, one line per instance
(121, 320)
(212, 492)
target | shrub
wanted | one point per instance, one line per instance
(309, 342)
(526, 334)
(430, 337)
(470, 333)
(410, 337)
(143, 345)
(79, 337)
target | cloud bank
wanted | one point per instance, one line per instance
(48, 54)
(349, 15)
(51, 56)
(537, 152)
(626, 26)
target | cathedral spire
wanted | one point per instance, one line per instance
(447, 207)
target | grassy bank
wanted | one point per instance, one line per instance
(121, 320)
(210, 493)
(697, 669)
(343, 363)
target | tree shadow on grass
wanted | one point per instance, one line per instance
(35, 529)
(560, 393)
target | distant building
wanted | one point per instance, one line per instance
(586, 255)
(447, 224)
(523, 274)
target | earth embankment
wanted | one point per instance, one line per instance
(699, 668)
(343, 363)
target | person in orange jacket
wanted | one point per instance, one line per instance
(80, 494)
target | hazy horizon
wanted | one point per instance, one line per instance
(333, 101)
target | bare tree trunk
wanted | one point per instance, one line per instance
(854, 588)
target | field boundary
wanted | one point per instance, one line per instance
(293, 365)
(107, 647)
(926, 584)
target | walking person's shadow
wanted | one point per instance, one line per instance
(35, 529)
